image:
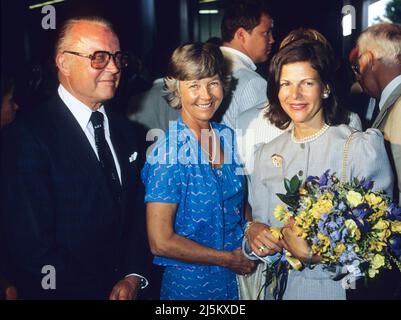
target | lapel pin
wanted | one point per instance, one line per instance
(277, 160)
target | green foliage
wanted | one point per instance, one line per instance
(291, 198)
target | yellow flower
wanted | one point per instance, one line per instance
(378, 261)
(381, 225)
(302, 191)
(353, 229)
(354, 198)
(376, 245)
(372, 272)
(276, 232)
(339, 249)
(280, 213)
(396, 226)
(323, 205)
(325, 242)
(372, 199)
(307, 202)
(376, 216)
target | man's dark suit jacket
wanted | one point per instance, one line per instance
(57, 208)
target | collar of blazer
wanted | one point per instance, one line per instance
(379, 122)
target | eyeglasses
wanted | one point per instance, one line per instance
(100, 59)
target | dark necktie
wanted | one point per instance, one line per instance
(105, 156)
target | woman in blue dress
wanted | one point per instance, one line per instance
(194, 185)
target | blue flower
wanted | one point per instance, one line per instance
(310, 179)
(324, 179)
(335, 236)
(363, 225)
(322, 227)
(395, 212)
(361, 211)
(342, 206)
(339, 220)
(367, 184)
(332, 225)
(324, 216)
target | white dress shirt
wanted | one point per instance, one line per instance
(82, 114)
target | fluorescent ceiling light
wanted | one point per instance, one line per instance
(208, 11)
(45, 4)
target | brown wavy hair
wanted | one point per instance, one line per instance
(320, 59)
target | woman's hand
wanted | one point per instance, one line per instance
(239, 263)
(297, 246)
(261, 240)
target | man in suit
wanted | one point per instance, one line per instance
(377, 65)
(71, 222)
(378, 70)
(246, 32)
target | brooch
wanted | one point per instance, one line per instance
(277, 160)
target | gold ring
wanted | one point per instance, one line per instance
(262, 248)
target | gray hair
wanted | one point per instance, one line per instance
(64, 37)
(194, 61)
(383, 40)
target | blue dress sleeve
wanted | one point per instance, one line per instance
(368, 158)
(162, 182)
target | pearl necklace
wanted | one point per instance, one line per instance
(311, 137)
(212, 157)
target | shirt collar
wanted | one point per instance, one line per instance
(241, 56)
(80, 111)
(388, 90)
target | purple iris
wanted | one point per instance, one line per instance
(395, 244)
(324, 179)
(361, 211)
(395, 212)
(363, 225)
(310, 179)
(367, 184)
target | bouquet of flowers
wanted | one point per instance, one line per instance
(346, 224)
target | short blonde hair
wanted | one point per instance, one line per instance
(194, 61)
(383, 40)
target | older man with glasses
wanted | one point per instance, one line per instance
(71, 224)
(377, 65)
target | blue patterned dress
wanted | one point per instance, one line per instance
(210, 209)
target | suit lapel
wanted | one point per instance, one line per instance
(123, 152)
(74, 140)
(379, 122)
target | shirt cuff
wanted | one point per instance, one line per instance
(144, 281)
